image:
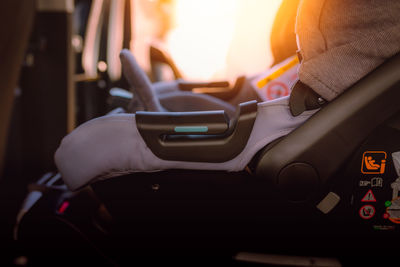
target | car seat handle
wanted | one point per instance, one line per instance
(205, 136)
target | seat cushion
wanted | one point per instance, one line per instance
(111, 145)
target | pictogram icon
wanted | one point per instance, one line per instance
(369, 197)
(374, 182)
(367, 212)
(373, 162)
(276, 90)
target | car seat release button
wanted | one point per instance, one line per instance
(328, 203)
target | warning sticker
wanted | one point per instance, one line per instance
(369, 197)
(393, 210)
(276, 81)
(367, 212)
(276, 90)
(374, 162)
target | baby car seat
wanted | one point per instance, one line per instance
(182, 95)
(326, 188)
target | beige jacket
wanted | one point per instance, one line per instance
(343, 40)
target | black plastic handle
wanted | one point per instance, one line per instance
(204, 136)
(188, 86)
(219, 90)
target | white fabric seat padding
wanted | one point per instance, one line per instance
(111, 146)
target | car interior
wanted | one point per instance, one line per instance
(324, 194)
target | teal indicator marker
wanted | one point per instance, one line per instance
(191, 129)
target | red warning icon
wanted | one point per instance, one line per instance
(367, 212)
(276, 90)
(369, 197)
